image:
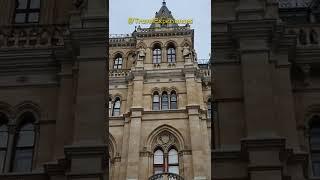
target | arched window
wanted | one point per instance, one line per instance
(110, 106)
(118, 62)
(315, 145)
(173, 161)
(156, 55)
(173, 100)
(155, 101)
(158, 162)
(116, 107)
(3, 140)
(171, 54)
(24, 144)
(164, 101)
(27, 11)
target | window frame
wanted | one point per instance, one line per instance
(27, 11)
(156, 54)
(171, 101)
(158, 103)
(164, 93)
(171, 54)
(117, 99)
(173, 164)
(314, 123)
(31, 120)
(116, 64)
(163, 165)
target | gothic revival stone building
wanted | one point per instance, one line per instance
(158, 105)
(52, 89)
(266, 89)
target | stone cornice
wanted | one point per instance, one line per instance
(248, 144)
(252, 29)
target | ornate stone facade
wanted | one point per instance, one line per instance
(163, 97)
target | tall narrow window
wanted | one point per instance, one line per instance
(3, 140)
(118, 62)
(27, 11)
(171, 54)
(173, 100)
(156, 55)
(315, 145)
(24, 144)
(156, 101)
(173, 161)
(164, 101)
(209, 108)
(116, 107)
(110, 106)
(158, 162)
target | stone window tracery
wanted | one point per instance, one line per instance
(165, 156)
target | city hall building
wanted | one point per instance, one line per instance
(149, 109)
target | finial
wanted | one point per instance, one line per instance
(164, 3)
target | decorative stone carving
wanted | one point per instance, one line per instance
(141, 53)
(186, 51)
(165, 140)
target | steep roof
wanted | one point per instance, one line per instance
(164, 14)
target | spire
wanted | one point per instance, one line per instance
(163, 14)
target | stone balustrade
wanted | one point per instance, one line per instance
(119, 72)
(32, 36)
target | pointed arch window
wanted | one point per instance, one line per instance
(164, 101)
(4, 133)
(171, 54)
(118, 61)
(173, 161)
(156, 54)
(155, 101)
(116, 107)
(24, 144)
(173, 100)
(315, 145)
(110, 106)
(158, 161)
(27, 11)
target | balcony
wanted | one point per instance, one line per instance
(166, 176)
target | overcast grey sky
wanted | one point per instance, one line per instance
(199, 11)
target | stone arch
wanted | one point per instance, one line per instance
(313, 110)
(154, 90)
(112, 146)
(175, 44)
(173, 88)
(6, 109)
(165, 136)
(116, 53)
(28, 106)
(156, 42)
